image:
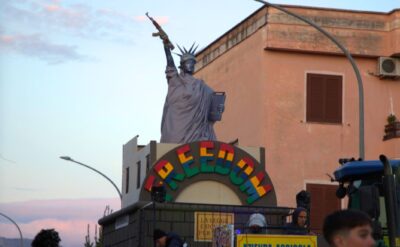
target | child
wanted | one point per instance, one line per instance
(348, 228)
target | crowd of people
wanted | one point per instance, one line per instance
(344, 228)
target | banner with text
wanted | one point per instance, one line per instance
(265, 240)
(205, 222)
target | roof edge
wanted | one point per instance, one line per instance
(292, 6)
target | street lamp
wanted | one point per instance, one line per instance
(19, 230)
(353, 64)
(67, 158)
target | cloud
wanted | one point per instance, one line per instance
(75, 20)
(69, 217)
(23, 189)
(35, 46)
(162, 20)
(5, 159)
(42, 14)
(29, 26)
(72, 17)
(58, 209)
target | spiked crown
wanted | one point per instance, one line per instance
(187, 55)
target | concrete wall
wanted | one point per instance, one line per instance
(129, 160)
(264, 77)
(132, 154)
(362, 33)
(231, 72)
(210, 192)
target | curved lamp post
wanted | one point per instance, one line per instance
(19, 230)
(67, 158)
(353, 64)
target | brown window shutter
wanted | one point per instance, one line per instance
(315, 100)
(333, 113)
(324, 98)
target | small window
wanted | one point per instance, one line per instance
(147, 163)
(138, 175)
(127, 180)
(324, 98)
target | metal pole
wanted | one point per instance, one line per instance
(389, 188)
(67, 158)
(353, 64)
(154, 222)
(19, 230)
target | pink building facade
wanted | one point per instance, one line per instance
(291, 90)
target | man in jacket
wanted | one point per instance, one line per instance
(298, 225)
(257, 224)
(163, 239)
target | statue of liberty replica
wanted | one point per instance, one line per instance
(191, 107)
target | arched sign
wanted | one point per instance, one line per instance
(211, 160)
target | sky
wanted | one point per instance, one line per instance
(81, 78)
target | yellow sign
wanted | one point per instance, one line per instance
(386, 240)
(265, 240)
(205, 222)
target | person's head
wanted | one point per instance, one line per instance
(299, 217)
(188, 66)
(188, 60)
(256, 223)
(46, 237)
(160, 238)
(348, 228)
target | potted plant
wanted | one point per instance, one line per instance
(392, 128)
(391, 118)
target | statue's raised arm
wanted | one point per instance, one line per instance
(168, 46)
(190, 108)
(163, 35)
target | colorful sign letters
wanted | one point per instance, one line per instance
(210, 158)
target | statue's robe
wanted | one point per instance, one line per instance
(185, 115)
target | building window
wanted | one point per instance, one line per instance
(147, 163)
(127, 180)
(324, 98)
(138, 175)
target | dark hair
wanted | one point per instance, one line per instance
(158, 233)
(296, 212)
(46, 237)
(344, 220)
